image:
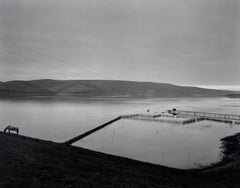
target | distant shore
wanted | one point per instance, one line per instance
(234, 96)
(30, 162)
(104, 88)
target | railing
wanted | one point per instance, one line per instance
(231, 117)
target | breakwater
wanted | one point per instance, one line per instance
(81, 136)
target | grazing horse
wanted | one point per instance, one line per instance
(10, 128)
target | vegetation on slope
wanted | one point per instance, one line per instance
(103, 88)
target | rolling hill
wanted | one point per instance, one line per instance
(47, 87)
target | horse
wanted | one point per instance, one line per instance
(10, 128)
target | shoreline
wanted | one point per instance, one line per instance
(231, 154)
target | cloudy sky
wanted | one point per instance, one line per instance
(188, 42)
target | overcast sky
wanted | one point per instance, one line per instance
(188, 42)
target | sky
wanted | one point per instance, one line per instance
(185, 42)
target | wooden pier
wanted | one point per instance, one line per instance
(228, 118)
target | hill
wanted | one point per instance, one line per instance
(103, 88)
(28, 162)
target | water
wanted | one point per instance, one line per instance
(181, 146)
(59, 119)
(173, 145)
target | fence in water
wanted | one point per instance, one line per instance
(169, 116)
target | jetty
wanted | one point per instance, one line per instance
(81, 136)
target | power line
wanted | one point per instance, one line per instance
(55, 66)
(39, 52)
(26, 57)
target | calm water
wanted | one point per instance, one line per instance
(181, 146)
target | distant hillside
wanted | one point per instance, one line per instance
(103, 88)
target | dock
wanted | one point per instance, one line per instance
(185, 117)
(227, 118)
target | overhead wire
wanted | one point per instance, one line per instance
(58, 66)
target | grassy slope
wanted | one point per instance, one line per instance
(104, 88)
(27, 162)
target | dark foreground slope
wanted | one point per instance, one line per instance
(27, 162)
(103, 88)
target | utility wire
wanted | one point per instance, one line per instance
(24, 57)
(53, 65)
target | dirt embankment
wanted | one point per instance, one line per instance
(231, 147)
(27, 162)
(231, 155)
